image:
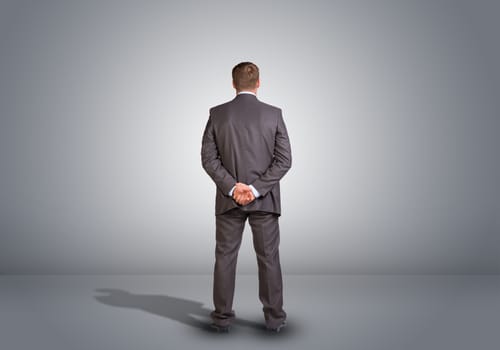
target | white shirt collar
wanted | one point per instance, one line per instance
(247, 92)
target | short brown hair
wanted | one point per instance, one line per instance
(245, 75)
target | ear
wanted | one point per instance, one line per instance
(258, 83)
(234, 85)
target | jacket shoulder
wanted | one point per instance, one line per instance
(270, 107)
(219, 107)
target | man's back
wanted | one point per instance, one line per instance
(252, 141)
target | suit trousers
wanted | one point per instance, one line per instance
(229, 228)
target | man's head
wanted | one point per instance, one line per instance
(246, 77)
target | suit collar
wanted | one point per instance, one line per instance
(245, 96)
(247, 92)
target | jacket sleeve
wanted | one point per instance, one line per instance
(281, 163)
(211, 162)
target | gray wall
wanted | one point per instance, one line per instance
(392, 107)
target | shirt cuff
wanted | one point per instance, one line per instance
(231, 192)
(255, 192)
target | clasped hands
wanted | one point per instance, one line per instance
(243, 194)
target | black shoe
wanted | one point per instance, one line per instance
(277, 329)
(219, 328)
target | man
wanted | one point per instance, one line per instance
(246, 151)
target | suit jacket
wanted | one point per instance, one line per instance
(246, 140)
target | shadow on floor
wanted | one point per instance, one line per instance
(177, 309)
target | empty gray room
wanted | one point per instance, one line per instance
(390, 226)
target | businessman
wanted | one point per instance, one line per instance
(246, 151)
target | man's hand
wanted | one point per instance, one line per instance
(243, 194)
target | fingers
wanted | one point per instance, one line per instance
(242, 194)
(244, 199)
(237, 193)
(242, 187)
(249, 199)
(241, 190)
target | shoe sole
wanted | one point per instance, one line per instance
(220, 329)
(278, 329)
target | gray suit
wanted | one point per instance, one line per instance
(246, 140)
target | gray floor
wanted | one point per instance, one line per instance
(324, 312)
